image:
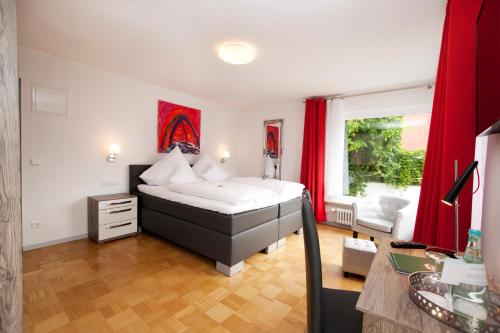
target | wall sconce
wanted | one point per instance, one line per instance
(113, 151)
(225, 156)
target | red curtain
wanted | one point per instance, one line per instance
(452, 132)
(312, 172)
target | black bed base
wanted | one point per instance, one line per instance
(227, 239)
(230, 250)
(289, 224)
(220, 247)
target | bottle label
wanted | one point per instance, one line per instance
(456, 271)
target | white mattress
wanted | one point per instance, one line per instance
(278, 186)
(217, 206)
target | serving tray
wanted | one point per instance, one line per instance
(447, 316)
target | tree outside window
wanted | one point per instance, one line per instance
(379, 150)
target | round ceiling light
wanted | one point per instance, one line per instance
(236, 53)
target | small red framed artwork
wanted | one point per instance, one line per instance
(272, 141)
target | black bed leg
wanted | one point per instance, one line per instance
(372, 238)
(354, 234)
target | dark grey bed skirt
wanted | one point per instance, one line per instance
(289, 224)
(223, 223)
(227, 239)
(290, 206)
(227, 249)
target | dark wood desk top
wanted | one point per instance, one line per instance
(385, 295)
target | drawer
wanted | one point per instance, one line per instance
(117, 214)
(117, 229)
(117, 203)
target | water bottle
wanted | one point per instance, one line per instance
(473, 300)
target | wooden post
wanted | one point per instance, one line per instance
(11, 319)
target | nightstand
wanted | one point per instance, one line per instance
(112, 216)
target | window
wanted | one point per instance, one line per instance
(385, 156)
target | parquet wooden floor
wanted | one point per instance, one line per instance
(144, 283)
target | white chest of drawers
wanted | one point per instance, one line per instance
(112, 216)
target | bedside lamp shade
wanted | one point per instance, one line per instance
(115, 148)
(225, 156)
(113, 151)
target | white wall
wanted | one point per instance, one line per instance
(491, 211)
(481, 153)
(251, 137)
(411, 101)
(104, 108)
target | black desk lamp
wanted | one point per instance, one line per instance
(451, 197)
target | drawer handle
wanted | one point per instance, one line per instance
(119, 225)
(120, 211)
(119, 203)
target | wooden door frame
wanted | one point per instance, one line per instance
(11, 318)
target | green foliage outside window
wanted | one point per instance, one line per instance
(376, 155)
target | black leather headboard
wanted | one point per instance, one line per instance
(135, 170)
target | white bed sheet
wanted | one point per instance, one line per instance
(217, 206)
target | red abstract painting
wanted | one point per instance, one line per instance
(178, 126)
(272, 141)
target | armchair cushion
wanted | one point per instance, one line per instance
(381, 216)
(376, 224)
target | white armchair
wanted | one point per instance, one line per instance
(384, 216)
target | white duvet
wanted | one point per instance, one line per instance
(232, 193)
(288, 193)
(213, 205)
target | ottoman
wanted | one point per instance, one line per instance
(357, 256)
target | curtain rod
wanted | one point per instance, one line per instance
(427, 85)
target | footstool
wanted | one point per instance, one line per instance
(357, 256)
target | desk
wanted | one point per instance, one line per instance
(385, 303)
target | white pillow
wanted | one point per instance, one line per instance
(269, 171)
(182, 175)
(204, 163)
(216, 173)
(160, 172)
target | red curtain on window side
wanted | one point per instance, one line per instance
(312, 172)
(452, 131)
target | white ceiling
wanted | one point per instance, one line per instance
(305, 47)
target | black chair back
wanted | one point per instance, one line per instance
(314, 278)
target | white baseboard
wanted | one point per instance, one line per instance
(54, 242)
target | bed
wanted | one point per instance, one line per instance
(228, 237)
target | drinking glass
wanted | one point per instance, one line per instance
(438, 258)
(441, 292)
